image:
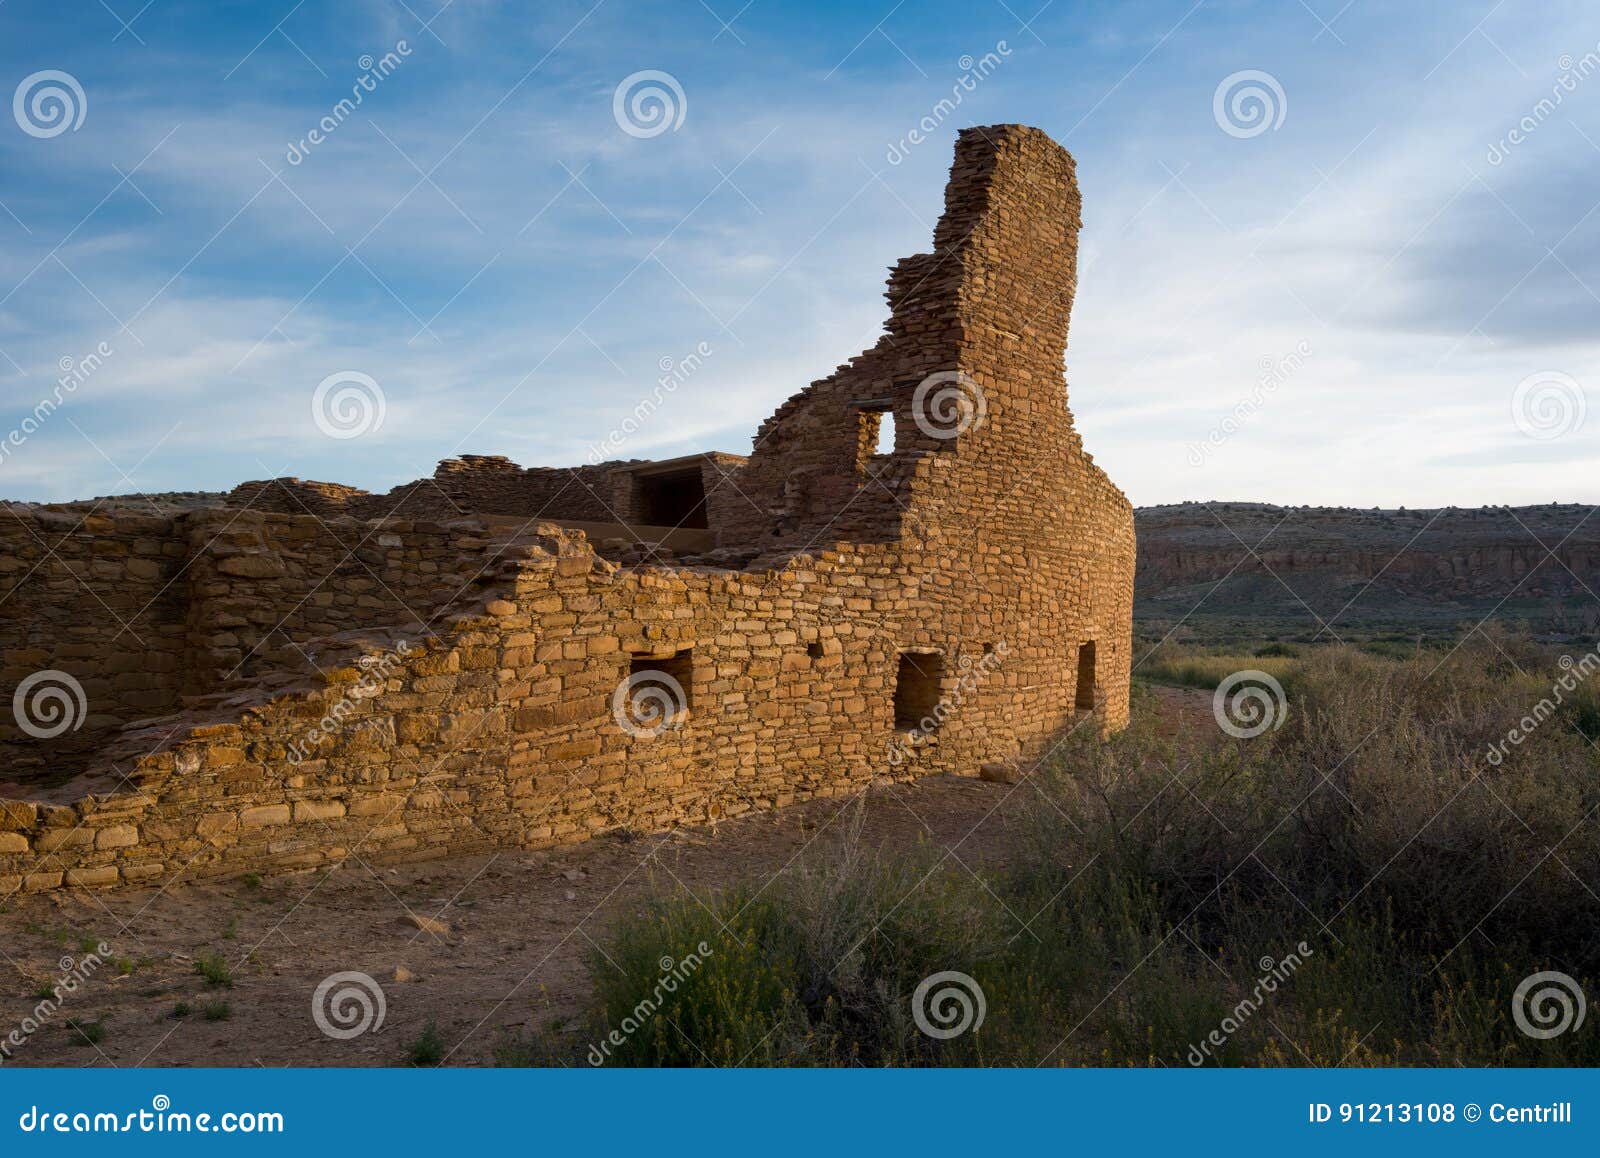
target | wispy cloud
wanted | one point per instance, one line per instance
(483, 239)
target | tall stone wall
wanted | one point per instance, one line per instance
(988, 491)
(957, 602)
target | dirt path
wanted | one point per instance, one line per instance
(502, 948)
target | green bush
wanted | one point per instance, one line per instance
(214, 968)
(427, 1048)
(82, 1032)
(1275, 648)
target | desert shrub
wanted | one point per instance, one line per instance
(1276, 648)
(427, 1048)
(84, 1032)
(806, 970)
(214, 968)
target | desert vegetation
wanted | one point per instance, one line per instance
(1363, 885)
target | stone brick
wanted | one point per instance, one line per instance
(216, 823)
(265, 815)
(17, 815)
(380, 805)
(318, 809)
(92, 877)
(53, 839)
(117, 836)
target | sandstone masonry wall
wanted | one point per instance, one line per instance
(96, 596)
(412, 687)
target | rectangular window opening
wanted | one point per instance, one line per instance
(876, 434)
(885, 442)
(662, 685)
(916, 691)
(1084, 701)
(671, 500)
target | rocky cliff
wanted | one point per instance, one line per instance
(1339, 570)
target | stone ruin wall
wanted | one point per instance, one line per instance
(92, 596)
(148, 613)
(459, 488)
(998, 558)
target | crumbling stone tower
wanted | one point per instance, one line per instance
(499, 656)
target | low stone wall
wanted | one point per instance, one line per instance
(505, 729)
(294, 496)
(476, 484)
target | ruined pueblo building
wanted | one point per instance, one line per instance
(300, 673)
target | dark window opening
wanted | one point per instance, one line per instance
(671, 500)
(1084, 700)
(814, 650)
(917, 693)
(667, 684)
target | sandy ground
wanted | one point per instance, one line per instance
(484, 946)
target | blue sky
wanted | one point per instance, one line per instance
(483, 240)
